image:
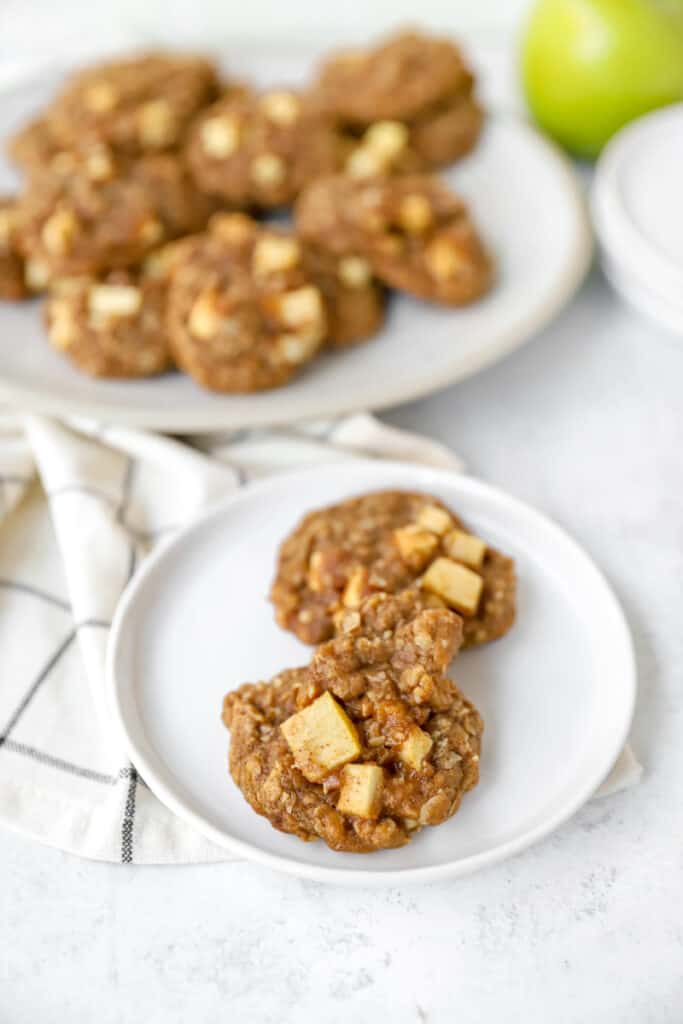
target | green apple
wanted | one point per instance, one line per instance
(589, 66)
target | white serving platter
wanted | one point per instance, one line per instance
(527, 202)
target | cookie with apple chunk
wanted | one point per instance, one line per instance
(415, 233)
(389, 541)
(409, 102)
(371, 742)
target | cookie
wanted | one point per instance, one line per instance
(243, 312)
(354, 300)
(389, 541)
(261, 150)
(396, 80)
(33, 146)
(446, 132)
(182, 208)
(370, 743)
(137, 105)
(437, 138)
(12, 278)
(72, 225)
(414, 91)
(37, 152)
(415, 233)
(111, 326)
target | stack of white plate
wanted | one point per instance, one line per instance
(637, 206)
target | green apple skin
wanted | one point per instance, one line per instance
(590, 66)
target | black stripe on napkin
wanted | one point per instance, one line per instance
(57, 762)
(128, 823)
(27, 588)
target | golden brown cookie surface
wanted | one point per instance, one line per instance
(111, 326)
(367, 745)
(73, 225)
(32, 146)
(181, 207)
(243, 311)
(447, 131)
(137, 105)
(436, 138)
(415, 233)
(397, 80)
(12, 273)
(262, 149)
(354, 299)
(388, 541)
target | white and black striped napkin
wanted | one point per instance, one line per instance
(80, 507)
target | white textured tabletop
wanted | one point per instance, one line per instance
(587, 424)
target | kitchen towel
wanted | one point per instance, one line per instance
(81, 506)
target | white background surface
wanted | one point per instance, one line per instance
(586, 423)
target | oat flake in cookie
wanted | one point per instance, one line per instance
(111, 326)
(371, 742)
(262, 149)
(243, 312)
(415, 233)
(390, 541)
(137, 105)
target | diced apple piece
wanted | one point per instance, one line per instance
(361, 790)
(415, 545)
(459, 587)
(415, 747)
(431, 517)
(465, 547)
(356, 588)
(315, 565)
(322, 737)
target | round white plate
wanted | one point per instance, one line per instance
(637, 210)
(556, 694)
(636, 199)
(526, 200)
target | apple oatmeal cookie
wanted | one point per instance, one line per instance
(111, 326)
(390, 541)
(354, 300)
(137, 105)
(244, 314)
(262, 149)
(410, 99)
(414, 232)
(368, 744)
(74, 225)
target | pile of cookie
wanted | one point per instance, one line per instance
(371, 741)
(147, 181)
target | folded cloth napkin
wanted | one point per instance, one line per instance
(81, 505)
